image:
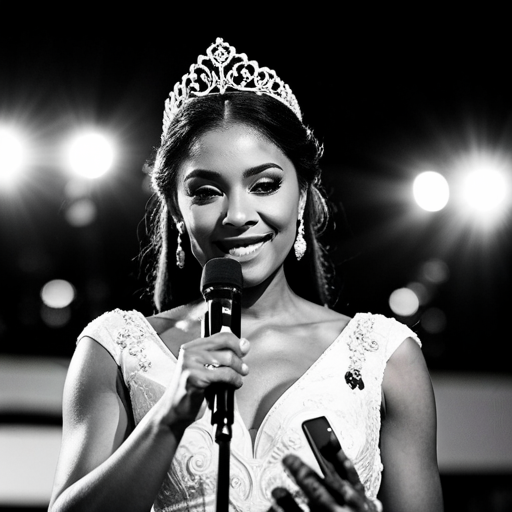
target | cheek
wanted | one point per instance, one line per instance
(199, 223)
(285, 211)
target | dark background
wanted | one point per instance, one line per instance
(389, 93)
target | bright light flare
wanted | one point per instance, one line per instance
(485, 189)
(90, 155)
(431, 191)
(11, 156)
(484, 184)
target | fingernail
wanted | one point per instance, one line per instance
(244, 344)
(245, 368)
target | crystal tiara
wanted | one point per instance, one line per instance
(221, 69)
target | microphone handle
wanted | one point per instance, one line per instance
(224, 310)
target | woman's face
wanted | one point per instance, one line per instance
(238, 195)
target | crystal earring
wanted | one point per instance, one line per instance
(180, 253)
(300, 242)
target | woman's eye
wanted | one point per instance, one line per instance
(266, 186)
(204, 193)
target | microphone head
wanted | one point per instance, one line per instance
(222, 272)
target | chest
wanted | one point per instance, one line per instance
(276, 362)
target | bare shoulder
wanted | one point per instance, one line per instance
(407, 386)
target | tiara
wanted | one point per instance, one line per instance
(222, 68)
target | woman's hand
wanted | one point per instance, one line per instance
(202, 362)
(340, 491)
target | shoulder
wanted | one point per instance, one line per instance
(388, 333)
(112, 329)
(109, 321)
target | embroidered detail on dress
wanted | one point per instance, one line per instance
(131, 337)
(360, 342)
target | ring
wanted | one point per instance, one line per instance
(211, 366)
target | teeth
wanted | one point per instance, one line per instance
(244, 251)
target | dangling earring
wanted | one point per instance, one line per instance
(300, 245)
(180, 253)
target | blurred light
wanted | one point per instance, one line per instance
(435, 271)
(433, 321)
(81, 212)
(90, 155)
(11, 156)
(431, 191)
(57, 294)
(404, 302)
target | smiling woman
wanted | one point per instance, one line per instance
(254, 137)
(237, 176)
(247, 207)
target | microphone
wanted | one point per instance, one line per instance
(221, 286)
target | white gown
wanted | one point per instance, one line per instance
(147, 366)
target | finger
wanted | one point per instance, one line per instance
(203, 377)
(344, 484)
(345, 468)
(205, 365)
(284, 500)
(319, 495)
(223, 358)
(219, 341)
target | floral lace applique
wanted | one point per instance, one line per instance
(132, 337)
(360, 342)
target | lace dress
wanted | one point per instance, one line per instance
(353, 411)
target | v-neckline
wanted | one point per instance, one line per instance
(286, 392)
(291, 387)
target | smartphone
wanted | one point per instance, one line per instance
(320, 436)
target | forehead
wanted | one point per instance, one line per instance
(236, 146)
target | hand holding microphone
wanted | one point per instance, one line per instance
(221, 286)
(212, 366)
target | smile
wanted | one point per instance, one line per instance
(240, 247)
(245, 250)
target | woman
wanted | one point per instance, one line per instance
(237, 176)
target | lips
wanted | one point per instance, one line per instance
(243, 246)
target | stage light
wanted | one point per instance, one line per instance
(404, 302)
(11, 156)
(58, 294)
(431, 191)
(485, 189)
(483, 183)
(90, 155)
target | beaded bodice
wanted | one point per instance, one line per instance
(362, 348)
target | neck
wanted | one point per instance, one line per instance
(269, 299)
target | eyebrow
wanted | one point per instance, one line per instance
(252, 171)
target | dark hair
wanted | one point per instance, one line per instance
(308, 277)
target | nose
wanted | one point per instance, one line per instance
(239, 211)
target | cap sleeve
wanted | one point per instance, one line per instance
(105, 330)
